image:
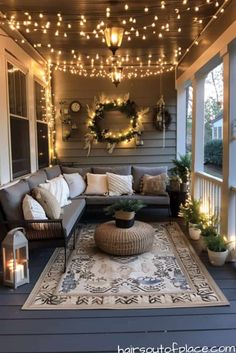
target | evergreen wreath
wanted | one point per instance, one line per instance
(97, 113)
(105, 135)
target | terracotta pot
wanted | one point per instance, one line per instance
(194, 232)
(217, 258)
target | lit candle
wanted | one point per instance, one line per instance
(19, 271)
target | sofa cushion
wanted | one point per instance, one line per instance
(11, 200)
(119, 184)
(71, 213)
(59, 188)
(49, 203)
(53, 172)
(122, 170)
(108, 200)
(96, 184)
(82, 171)
(76, 184)
(37, 178)
(139, 171)
(154, 184)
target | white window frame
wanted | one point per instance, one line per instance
(41, 83)
(9, 59)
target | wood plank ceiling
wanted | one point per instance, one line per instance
(70, 33)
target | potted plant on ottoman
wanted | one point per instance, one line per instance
(217, 248)
(192, 216)
(124, 212)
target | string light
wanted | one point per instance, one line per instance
(146, 23)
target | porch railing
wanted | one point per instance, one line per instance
(208, 189)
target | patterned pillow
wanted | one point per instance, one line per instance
(49, 203)
(154, 185)
(59, 188)
(119, 184)
(96, 184)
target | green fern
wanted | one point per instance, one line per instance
(124, 205)
(182, 167)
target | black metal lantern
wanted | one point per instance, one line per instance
(114, 37)
(15, 258)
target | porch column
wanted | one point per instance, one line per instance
(5, 173)
(198, 83)
(181, 121)
(32, 121)
(228, 211)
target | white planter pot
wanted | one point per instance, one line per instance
(194, 232)
(217, 258)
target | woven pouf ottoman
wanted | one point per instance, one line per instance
(124, 241)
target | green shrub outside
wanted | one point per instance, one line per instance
(214, 152)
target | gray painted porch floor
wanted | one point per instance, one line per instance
(105, 330)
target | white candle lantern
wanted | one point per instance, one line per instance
(15, 256)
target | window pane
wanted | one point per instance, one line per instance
(40, 102)
(20, 146)
(189, 117)
(43, 153)
(17, 91)
(213, 122)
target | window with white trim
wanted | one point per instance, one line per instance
(41, 125)
(19, 122)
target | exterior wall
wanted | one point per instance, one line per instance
(145, 92)
(10, 51)
(218, 125)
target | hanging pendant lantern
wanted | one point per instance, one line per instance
(114, 37)
(116, 74)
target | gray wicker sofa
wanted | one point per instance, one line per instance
(61, 230)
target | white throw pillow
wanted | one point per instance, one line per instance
(76, 184)
(33, 210)
(119, 184)
(97, 184)
(59, 188)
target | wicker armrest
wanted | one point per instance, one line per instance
(39, 229)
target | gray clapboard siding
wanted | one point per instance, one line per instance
(145, 93)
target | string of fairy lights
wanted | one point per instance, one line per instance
(154, 21)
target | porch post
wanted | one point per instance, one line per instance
(228, 215)
(5, 173)
(181, 121)
(197, 130)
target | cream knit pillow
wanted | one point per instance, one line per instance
(119, 184)
(96, 184)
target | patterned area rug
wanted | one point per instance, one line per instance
(170, 275)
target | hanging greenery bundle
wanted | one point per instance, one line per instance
(112, 138)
